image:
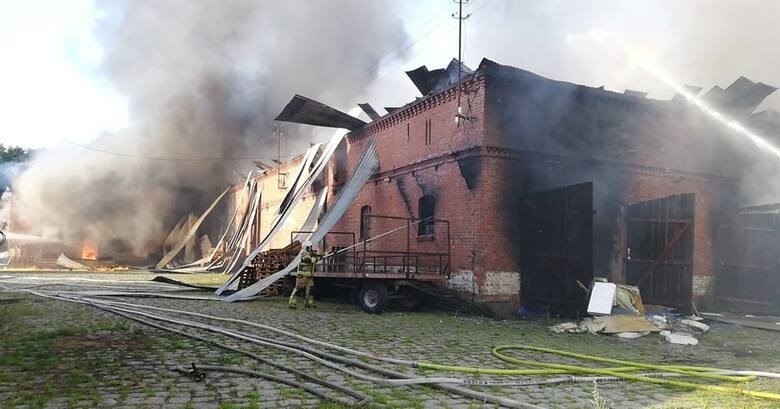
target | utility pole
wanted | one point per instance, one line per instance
(280, 181)
(460, 18)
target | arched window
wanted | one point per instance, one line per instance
(426, 210)
(365, 222)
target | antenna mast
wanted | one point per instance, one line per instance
(460, 18)
(280, 177)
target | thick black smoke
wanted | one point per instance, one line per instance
(203, 80)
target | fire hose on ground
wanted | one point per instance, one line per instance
(361, 399)
(548, 369)
(621, 373)
(401, 379)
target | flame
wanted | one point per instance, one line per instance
(89, 251)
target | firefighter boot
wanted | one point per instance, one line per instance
(309, 299)
(309, 302)
(293, 303)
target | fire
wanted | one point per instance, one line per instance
(89, 251)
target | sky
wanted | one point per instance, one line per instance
(53, 89)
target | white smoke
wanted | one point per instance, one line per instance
(203, 80)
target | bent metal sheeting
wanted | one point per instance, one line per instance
(366, 166)
(193, 229)
(314, 172)
(303, 110)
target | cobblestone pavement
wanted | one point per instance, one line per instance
(57, 354)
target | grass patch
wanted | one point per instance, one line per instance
(60, 361)
(702, 399)
(254, 400)
(11, 315)
(177, 342)
(330, 405)
(226, 358)
(292, 393)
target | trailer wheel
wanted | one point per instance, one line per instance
(373, 298)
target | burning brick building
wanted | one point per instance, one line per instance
(535, 184)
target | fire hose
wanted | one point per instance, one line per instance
(327, 359)
(546, 368)
(272, 378)
(621, 372)
(361, 399)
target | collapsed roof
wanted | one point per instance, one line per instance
(307, 111)
(741, 97)
(431, 82)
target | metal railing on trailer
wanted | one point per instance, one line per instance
(360, 261)
(392, 265)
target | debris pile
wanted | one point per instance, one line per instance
(617, 309)
(266, 264)
(252, 267)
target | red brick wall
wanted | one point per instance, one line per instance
(617, 135)
(410, 165)
(271, 199)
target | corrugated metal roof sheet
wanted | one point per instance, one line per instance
(370, 111)
(307, 111)
(742, 97)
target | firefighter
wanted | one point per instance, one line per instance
(305, 276)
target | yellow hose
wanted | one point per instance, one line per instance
(548, 368)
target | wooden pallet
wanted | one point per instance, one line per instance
(267, 263)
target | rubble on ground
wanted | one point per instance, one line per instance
(618, 310)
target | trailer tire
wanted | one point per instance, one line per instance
(373, 298)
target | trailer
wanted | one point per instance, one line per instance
(401, 266)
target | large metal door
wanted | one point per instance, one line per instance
(747, 266)
(660, 250)
(557, 247)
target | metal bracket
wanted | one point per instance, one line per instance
(196, 375)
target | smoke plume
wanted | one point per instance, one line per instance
(203, 80)
(697, 42)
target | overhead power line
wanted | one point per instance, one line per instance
(171, 159)
(420, 38)
(399, 51)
